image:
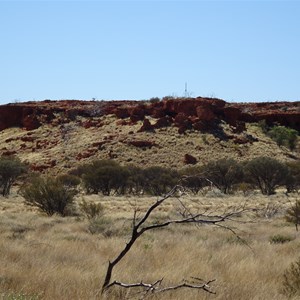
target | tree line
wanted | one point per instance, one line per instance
(228, 175)
(108, 177)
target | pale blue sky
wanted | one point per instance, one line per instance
(234, 50)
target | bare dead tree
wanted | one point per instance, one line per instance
(185, 217)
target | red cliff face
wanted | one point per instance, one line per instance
(10, 116)
(198, 113)
(283, 113)
(18, 116)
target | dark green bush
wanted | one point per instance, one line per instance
(154, 99)
(293, 214)
(49, 195)
(136, 180)
(80, 170)
(280, 239)
(266, 174)
(284, 136)
(159, 180)
(169, 97)
(69, 181)
(105, 176)
(293, 178)
(193, 179)
(224, 174)
(91, 209)
(10, 169)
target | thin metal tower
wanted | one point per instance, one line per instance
(185, 90)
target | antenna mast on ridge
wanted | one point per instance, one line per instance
(185, 91)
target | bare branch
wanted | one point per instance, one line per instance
(158, 202)
(203, 286)
(147, 286)
(157, 288)
(134, 236)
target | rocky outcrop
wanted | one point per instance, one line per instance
(147, 126)
(189, 159)
(197, 113)
(164, 121)
(10, 116)
(183, 122)
(284, 113)
(31, 122)
(232, 115)
(141, 144)
(204, 113)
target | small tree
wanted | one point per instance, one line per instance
(293, 178)
(136, 180)
(104, 176)
(10, 169)
(49, 195)
(293, 214)
(266, 173)
(159, 180)
(224, 173)
(69, 181)
(193, 179)
(284, 136)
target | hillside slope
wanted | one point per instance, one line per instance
(58, 135)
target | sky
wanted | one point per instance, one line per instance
(239, 51)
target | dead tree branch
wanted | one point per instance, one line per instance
(137, 231)
(156, 287)
(140, 226)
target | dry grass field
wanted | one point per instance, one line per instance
(45, 257)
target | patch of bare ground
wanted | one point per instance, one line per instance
(58, 258)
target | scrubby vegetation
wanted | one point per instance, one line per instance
(293, 214)
(10, 169)
(291, 282)
(91, 210)
(227, 175)
(109, 178)
(50, 195)
(293, 178)
(98, 220)
(104, 176)
(266, 174)
(282, 135)
(224, 174)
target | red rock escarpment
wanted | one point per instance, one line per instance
(198, 113)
